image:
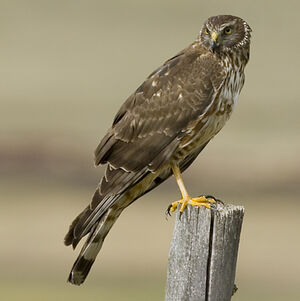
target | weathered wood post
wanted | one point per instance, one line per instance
(203, 254)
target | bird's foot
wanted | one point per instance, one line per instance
(205, 201)
(217, 201)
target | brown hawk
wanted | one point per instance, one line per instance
(162, 127)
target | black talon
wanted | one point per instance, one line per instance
(215, 199)
(211, 197)
(167, 212)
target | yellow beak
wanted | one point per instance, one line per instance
(214, 36)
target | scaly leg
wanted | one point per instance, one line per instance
(186, 199)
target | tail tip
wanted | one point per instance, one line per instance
(76, 278)
(80, 271)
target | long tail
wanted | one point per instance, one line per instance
(93, 245)
(98, 218)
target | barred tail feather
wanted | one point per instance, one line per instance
(92, 246)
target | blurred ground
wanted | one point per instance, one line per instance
(65, 68)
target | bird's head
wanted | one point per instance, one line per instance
(225, 33)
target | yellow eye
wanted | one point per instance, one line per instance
(228, 30)
(206, 31)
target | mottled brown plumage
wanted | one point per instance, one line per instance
(168, 120)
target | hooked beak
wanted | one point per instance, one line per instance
(214, 41)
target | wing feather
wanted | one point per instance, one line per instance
(159, 112)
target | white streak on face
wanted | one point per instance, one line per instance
(154, 83)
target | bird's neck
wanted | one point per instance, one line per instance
(238, 58)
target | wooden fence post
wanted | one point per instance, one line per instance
(203, 254)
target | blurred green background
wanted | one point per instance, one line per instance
(65, 69)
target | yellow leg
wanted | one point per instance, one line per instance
(186, 199)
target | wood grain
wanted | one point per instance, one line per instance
(203, 254)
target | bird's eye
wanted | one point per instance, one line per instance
(206, 31)
(228, 30)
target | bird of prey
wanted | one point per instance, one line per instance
(161, 128)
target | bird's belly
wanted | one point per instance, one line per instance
(209, 127)
(206, 128)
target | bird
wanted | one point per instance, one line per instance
(161, 128)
